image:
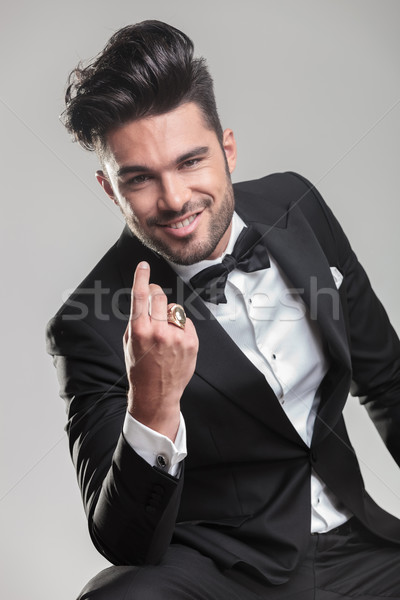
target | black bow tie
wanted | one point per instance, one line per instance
(249, 254)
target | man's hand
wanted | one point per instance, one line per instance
(160, 358)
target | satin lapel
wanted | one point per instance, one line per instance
(220, 362)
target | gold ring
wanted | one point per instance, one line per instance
(176, 315)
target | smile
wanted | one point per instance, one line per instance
(183, 228)
(183, 223)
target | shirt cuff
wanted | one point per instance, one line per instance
(155, 448)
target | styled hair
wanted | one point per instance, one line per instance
(146, 69)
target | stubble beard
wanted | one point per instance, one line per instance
(190, 251)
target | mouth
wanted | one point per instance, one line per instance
(184, 226)
(183, 223)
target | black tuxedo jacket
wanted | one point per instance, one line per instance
(244, 492)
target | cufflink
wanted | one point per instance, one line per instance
(162, 462)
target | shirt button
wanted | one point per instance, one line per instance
(162, 462)
(274, 356)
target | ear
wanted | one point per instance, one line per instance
(106, 185)
(229, 145)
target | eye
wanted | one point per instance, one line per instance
(192, 162)
(138, 179)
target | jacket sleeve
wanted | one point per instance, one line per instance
(374, 345)
(375, 352)
(131, 507)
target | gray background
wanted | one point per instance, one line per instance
(307, 85)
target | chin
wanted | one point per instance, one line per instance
(189, 257)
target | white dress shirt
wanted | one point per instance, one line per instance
(270, 323)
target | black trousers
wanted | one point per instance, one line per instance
(348, 562)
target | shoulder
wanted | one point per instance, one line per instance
(97, 306)
(272, 199)
(109, 276)
(101, 277)
(277, 193)
(275, 184)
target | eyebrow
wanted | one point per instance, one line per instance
(144, 169)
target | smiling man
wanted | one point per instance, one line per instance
(206, 360)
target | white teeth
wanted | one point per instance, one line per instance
(184, 223)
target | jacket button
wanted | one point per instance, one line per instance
(313, 455)
(155, 497)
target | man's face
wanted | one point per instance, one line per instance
(171, 179)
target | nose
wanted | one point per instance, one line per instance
(174, 193)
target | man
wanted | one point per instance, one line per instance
(266, 497)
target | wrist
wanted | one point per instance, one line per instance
(160, 417)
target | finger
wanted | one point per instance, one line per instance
(157, 304)
(140, 293)
(190, 330)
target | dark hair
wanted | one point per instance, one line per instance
(145, 69)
